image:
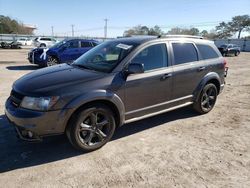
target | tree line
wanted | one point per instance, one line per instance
(238, 24)
(12, 26)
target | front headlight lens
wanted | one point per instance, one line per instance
(40, 104)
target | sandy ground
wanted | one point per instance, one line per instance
(175, 149)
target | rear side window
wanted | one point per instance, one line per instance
(207, 52)
(85, 44)
(94, 44)
(153, 57)
(48, 39)
(73, 44)
(184, 53)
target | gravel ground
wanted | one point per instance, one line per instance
(175, 149)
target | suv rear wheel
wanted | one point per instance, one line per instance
(206, 99)
(42, 45)
(91, 128)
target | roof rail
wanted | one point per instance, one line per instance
(180, 36)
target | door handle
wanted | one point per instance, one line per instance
(165, 76)
(201, 68)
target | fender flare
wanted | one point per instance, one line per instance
(93, 96)
(203, 82)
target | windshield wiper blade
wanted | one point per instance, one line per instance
(83, 66)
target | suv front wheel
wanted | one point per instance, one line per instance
(52, 61)
(207, 99)
(91, 128)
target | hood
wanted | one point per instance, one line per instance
(52, 78)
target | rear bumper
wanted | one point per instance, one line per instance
(33, 125)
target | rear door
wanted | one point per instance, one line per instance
(84, 47)
(148, 92)
(188, 71)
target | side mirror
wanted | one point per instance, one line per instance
(135, 68)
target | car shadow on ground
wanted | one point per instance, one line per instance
(22, 67)
(16, 154)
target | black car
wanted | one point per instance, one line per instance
(229, 49)
(11, 45)
(117, 82)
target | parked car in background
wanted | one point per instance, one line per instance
(25, 41)
(229, 49)
(44, 42)
(11, 45)
(110, 85)
(65, 51)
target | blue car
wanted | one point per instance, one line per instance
(65, 51)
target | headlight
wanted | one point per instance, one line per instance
(40, 104)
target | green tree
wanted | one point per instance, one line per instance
(8, 26)
(239, 24)
(223, 30)
(183, 31)
(143, 30)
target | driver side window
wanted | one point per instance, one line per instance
(152, 57)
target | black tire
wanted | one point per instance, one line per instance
(42, 45)
(91, 128)
(52, 61)
(236, 53)
(207, 99)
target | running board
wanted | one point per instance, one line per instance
(159, 112)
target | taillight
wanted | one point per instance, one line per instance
(225, 67)
(225, 63)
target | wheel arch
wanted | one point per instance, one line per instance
(209, 78)
(111, 100)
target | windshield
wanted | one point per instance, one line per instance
(224, 45)
(105, 57)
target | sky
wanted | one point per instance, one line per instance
(88, 16)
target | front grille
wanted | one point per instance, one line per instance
(16, 98)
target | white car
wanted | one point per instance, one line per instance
(44, 42)
(25, 41)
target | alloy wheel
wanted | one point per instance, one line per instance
(94, 129)
(208, 99)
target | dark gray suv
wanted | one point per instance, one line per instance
(117, 82)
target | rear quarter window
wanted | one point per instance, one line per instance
(206, 51)
(184, 53)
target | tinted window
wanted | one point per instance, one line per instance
(85, 44)
(94, 44)
(184, 53)
(48, 39)
(207, 52)
(153, 57)
(73, 44)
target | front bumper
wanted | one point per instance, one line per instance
(33, 125)
(34, 58)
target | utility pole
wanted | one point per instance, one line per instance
(106, 28)
(72, 27)
(52, 31)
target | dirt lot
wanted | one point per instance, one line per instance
(176, 149)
